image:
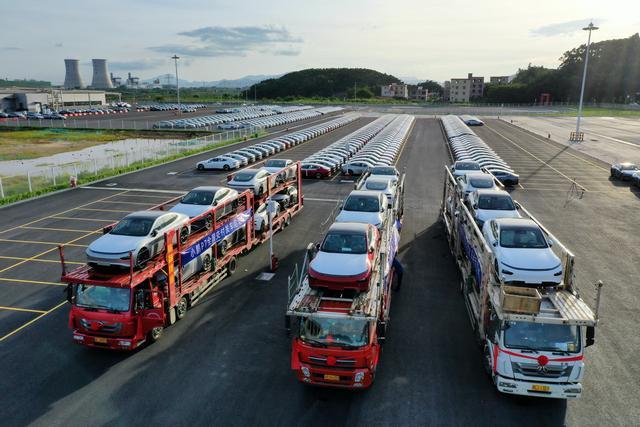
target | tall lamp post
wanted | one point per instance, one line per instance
(588, 28)
(175, 59)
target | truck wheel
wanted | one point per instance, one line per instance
(486, 362)
(143, 258)
(206, 263)
(181, 308)
(155, 334)
(231, 267)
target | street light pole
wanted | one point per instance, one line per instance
(588, 28)
(175, 59)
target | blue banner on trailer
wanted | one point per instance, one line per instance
(229, 227)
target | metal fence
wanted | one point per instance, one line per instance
(144, 153)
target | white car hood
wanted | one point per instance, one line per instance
(340, 264)
(115, 244)
(273, 169)
(190, 210)
(529, 259)
(373, 218)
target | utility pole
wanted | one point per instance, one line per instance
(175, 59)
(588, 28)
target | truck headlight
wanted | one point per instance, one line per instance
(573, 390)
(305, 371)
(359, 377)
(124, 343)
(78, 337)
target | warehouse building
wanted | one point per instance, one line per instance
(37, 100)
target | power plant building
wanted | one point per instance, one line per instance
(72, 78)
(101, 79)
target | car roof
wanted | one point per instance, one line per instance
(516, 222)
(349, 226)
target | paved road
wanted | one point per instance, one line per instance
(227, 362)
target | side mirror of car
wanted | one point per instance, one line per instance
(154, 232)
(107, 229)
(475, 206)
(495, 244)
(550, 242)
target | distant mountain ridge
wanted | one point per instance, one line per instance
(241, 82)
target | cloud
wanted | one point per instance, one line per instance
(11, 48)
(58, 45)
(286, 52)
(232, 41)
(561, 28)
(138, 64)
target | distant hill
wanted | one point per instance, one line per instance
(324, 82)
(241, 82)
(24, 83)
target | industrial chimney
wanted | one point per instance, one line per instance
(101, 79)
(72, 79)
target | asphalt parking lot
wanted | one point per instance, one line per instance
(227, 362)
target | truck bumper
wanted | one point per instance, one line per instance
(551, 390)
(339, 378)
(107, 343)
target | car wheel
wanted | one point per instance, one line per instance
(184, 235)
(318, 175)
(181, 308)
(142, 258)
(206, 263)
(222, 248)
(225, 167)
(350, 172)
(200, 167)
(208, 222)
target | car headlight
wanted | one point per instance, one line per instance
(507, 272)
(559, 273)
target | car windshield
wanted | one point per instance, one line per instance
(629, 167)
(376, 185)
(362, 204)
(276, 163)
(133, 227)
(334, 331)
(542, 337)
(89, 296)
(198, 198)
(383, 171)
(496, 203)
(467, 166)
(481, 182)
(244, 176)
(344, 242)
(529, 237)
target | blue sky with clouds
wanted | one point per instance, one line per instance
(224, 39)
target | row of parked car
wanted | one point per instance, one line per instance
(466, 146)
(236, 115)
(186, 108)
(258, 151)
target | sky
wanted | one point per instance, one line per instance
(419, 39)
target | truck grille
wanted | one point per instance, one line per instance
(100, 327)
(535, 370)
(322, 360)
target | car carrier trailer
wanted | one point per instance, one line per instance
(122, 309)
(532, 337)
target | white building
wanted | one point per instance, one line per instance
(394, 90)
(465, 89)
(37, 100)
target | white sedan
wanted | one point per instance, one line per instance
(202, 199)
(489, 204)
(476, 181)
(252, 179)
(522, 253)
(219, 163)
(386, 184)
(364, 206)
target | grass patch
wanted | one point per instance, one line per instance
(598, 112)
(17, 188)
(22, 144)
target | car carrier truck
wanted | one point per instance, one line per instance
(533, 337)
(122, 309)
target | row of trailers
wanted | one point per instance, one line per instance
(160, 293)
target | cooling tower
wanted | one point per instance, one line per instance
(101, 78)
(72, 79)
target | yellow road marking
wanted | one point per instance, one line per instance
(62, 213)
(127, 203)
(18, 329)
(159, 196)
(33, 242)
(60, 229)
(27, 310)
(39, 260)
(82, 219)
(537, 158)
(34, 282)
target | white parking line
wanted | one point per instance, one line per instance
(147, 190)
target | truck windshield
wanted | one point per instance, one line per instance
(103, 297)
(335, 332)
(542, 337)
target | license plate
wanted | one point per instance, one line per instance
(331, 377)
(537, 387)
(100, 340)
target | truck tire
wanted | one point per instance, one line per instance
(231, 266)
(155, 334)
(181, 308)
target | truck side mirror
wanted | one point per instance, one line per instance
(69, 292)
(591, 336)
